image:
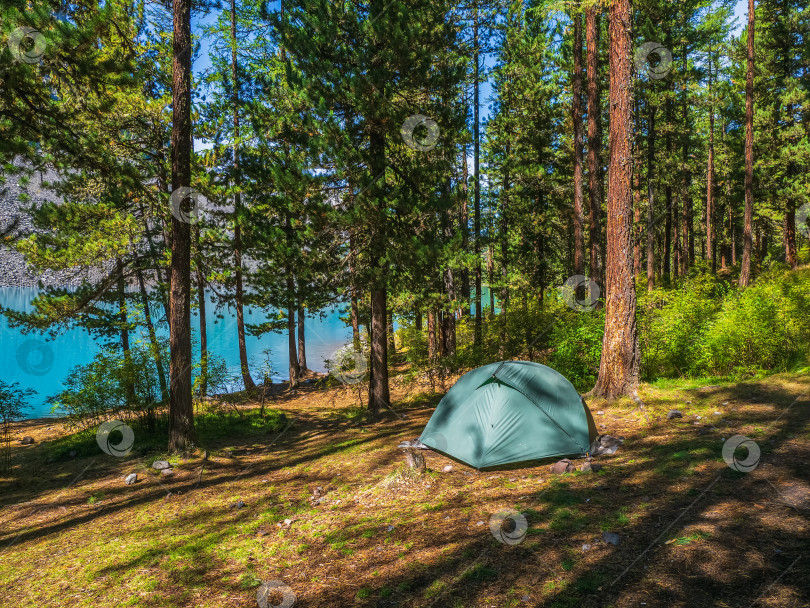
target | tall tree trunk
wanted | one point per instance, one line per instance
(129, 384)
(353, 288)
(181, 412)
(790, 236)
(302, 341)
(745, 271)
(449, 319)
(378, 390)
(637, 224)
(619, 366)
(479, 316)
(418, 320)
(464, 224)
(710, 237)
(650, 201)
(237, 212)
(292, 346)
(491, 273)
(576, 117)
(203, 332)
(355, 325)
(431, 326)
(668, 196)
(150, 327)
(594, 145)
(685, 204)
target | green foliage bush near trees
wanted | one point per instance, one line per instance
(704, 326)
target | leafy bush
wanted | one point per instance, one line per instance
(671, 322)
(764, 328)
(112, 384)
(577, 347)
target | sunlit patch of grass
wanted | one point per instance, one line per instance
(685, 540)
(436, 587)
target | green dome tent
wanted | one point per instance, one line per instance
(510, 412)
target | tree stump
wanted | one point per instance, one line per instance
(415, 460)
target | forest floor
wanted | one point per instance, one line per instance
(692, 531)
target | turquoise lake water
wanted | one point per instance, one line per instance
(42, 363)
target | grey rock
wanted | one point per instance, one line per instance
(166, 472)
(131, 478)
(590, 467)
(674, 414)
(600, 413)
(27, 441)
(159, 465)
(447, 468)
(605, 444)
(239, 504)
(586, 547)
(611, 537)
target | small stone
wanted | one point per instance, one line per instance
(600, 413)
(447, 468)
(725, 402)
(698, 417)
(131, 478)
(159, 465)
(261, 533)
(611, 537)
(674, 414)
(166, 472)
(586, 547)
(480, 523)
(716, 414)
(27, 441)
(562, 466)
(590, 467)
(288, 522)
(389, 528)
(239, 504)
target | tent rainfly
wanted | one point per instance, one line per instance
(508, 412)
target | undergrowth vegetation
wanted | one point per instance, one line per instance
(703, 326)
